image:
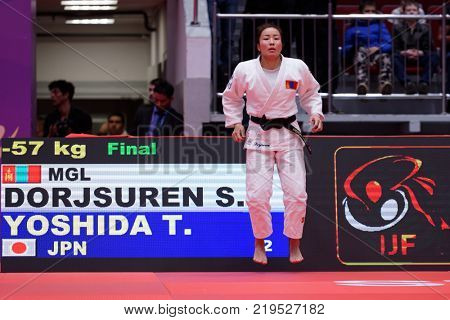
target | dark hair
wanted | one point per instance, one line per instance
(165, 88)
(155, 81)
(265, 26)
(63, 86)
(117, 114)
(364, 3)
(410, 3)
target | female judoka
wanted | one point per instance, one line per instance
(271, 83)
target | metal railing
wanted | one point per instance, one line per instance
(195, 13)
(330, 18)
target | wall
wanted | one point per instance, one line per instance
(99, 67)
(104, 61)
(17, 68)
(189, 51)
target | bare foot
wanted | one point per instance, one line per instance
(295, 256)
(260, 252)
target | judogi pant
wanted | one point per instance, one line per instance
(259, 179)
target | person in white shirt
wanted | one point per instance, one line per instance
(271, 83)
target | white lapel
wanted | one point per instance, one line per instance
(262, 77)
(278, 83)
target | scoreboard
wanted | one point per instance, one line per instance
(128, 198)
(178, 204)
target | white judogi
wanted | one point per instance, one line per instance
(280, 146)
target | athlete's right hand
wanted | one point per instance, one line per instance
(238, 133)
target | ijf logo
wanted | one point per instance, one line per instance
(388, 208)
(382, 202)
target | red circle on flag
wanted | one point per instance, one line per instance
(19, 247)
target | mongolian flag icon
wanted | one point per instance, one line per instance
(290, 84)
(19, 247)
(21, 174)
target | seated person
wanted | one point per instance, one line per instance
(159, 118)
(400, 10)
(65, 119)
(115, 126)
(369, 41)
(412, 45)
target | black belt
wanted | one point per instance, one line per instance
(279, 123)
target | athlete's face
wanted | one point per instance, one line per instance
(269, 44)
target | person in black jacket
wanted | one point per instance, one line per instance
(159, 118)
(65, 119)
(413, 45)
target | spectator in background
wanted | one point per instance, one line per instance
(113, 126)
(116, 125)
(65, 119)
(369, 41)
(159, 119)
(151, 88)
(145, 107)
(413, 45)
(400, 10)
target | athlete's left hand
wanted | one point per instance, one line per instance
(316, 122)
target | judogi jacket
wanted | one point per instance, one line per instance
(280, 102)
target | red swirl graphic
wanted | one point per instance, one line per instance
(374, 191)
